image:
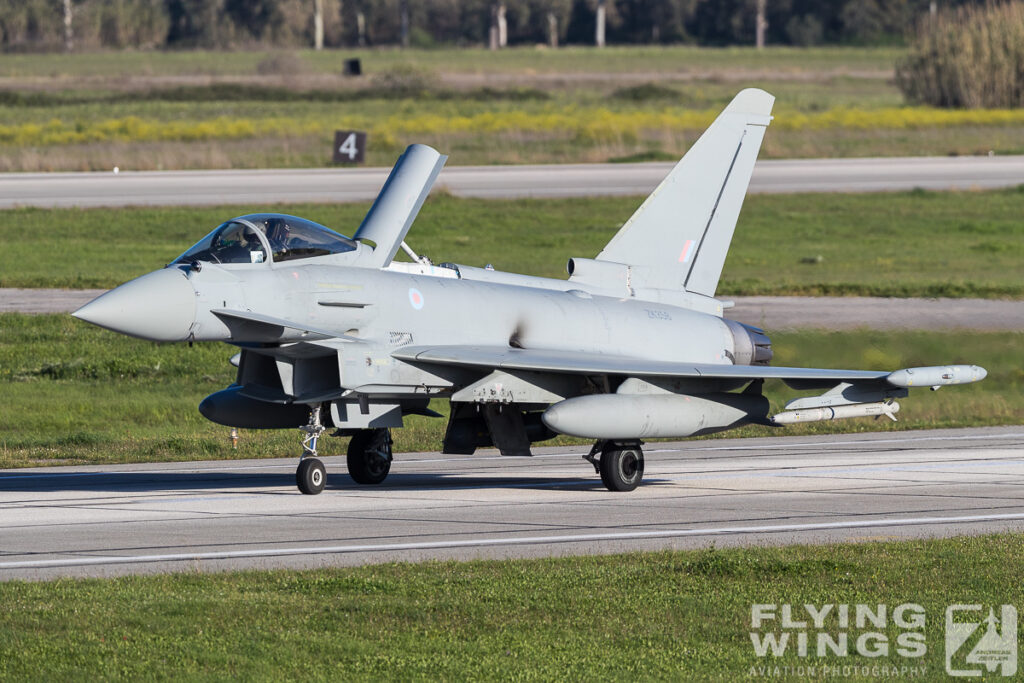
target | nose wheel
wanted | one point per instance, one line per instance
(311, 475)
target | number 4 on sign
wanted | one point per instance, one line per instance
(349, 147)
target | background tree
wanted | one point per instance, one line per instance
(654, 21)
(27, 25)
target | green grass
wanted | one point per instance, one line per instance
(662, 615)
(901, 244)
(178, 129)
(71, 393)
(669, 60)
(166, 110)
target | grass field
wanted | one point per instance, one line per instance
(71, 393)
(155, 110)
(625, 59)
(901, 244)
(159, 135)
(663, 615)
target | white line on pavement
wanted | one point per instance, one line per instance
(525, 540)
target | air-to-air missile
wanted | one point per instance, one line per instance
(332, 332)
(792, 417)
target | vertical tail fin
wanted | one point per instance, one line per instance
(680, 235)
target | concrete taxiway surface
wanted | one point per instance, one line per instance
(769, 312)
(114, 520)
(129, 188)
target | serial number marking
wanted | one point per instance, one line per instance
(658, 315)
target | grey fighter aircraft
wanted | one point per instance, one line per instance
(334, 333)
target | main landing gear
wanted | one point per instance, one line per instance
(621, 465)
(369, 456)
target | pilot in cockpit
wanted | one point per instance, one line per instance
(278, 232)
(289, 238)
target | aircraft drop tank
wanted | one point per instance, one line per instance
(630, 416)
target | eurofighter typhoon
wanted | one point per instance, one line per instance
(334, 334)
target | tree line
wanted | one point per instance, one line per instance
(49, 25)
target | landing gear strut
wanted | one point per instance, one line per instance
(369, 455)
(311, 474)
(621, 465)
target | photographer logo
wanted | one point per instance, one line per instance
(977, 644)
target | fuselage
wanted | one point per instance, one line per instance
(386, 309)
(391, 309)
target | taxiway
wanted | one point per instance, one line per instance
(195, 188)
(112, 520)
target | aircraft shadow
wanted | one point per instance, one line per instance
(226, 482)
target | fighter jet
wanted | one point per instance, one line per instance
(333, 333)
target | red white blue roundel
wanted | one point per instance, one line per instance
(415, 298)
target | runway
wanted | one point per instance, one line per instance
(335, 185)
(112, 520)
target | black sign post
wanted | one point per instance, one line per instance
(349, 146)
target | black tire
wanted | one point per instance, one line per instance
(622, 467)
(369, 456)
(311, 476)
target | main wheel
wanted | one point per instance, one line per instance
(622, 467)
(311, 476)
(369, 456)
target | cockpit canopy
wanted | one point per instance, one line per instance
(249, 239)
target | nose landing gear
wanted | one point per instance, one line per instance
(369, 456)
(311, 474)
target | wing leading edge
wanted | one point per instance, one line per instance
(571, 362)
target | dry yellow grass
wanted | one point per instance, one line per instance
(585, 124)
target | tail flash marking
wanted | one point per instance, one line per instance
(687, 252)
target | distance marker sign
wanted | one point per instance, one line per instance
(349, 146)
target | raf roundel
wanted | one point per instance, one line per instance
(415, 298)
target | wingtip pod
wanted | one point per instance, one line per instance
(751, 101)
(937, 375)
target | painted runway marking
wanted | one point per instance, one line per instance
(487, 542)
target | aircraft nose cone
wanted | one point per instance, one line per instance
(159, 306)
